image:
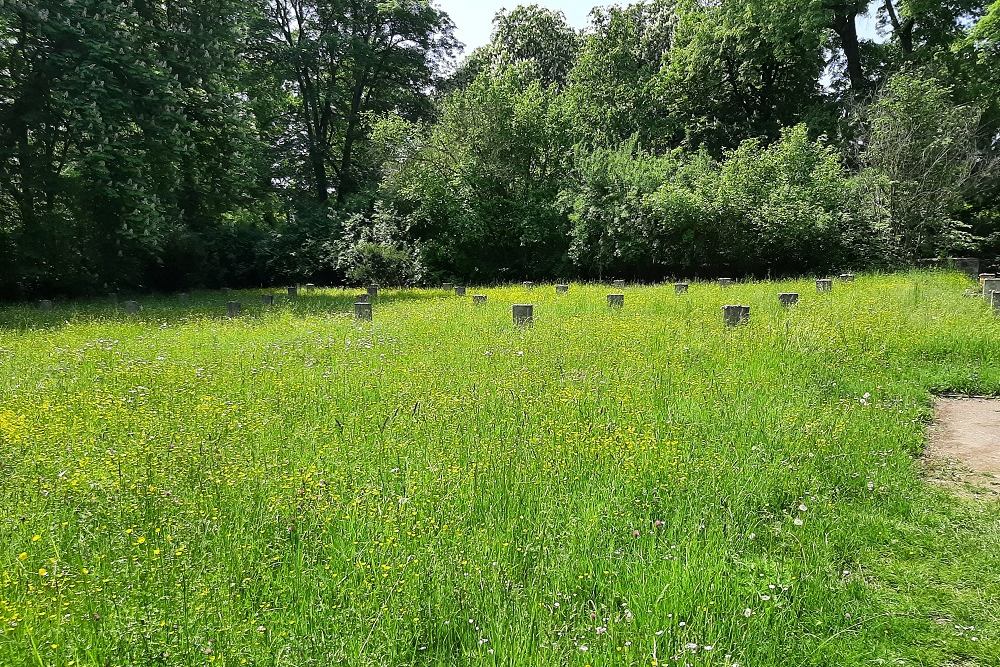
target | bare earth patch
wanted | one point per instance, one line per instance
(964, 449)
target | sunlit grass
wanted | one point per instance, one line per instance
(633, 487)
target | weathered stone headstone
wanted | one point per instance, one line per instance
(267, 299)
(524, 314)
(234, 308)
(995, 298)
(460, 290)
(726, 282)
(990, 285)
(824, 285)
(735, 315)
(616, 300)
(293, 291)
(620, 284)
(788, 299)
(363, 311)
(528, 284)
(847, 277)
(447, 287)
(310, 288)
(562, 289)
(363, 298)
(681, 288)
(132, 307)
(983, 277)
(479, 299)
(373, 291)
(45, 304)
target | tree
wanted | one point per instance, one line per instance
(538, 40)
(734, 74)
(345, 60)
(612, 92)
(121, 126)
(927, 24)
(920, 158)
(479, 188)
(538, 36)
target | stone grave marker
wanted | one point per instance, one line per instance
(788, 299)
(524, 314)
(735, 315)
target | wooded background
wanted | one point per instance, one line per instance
(149, 144)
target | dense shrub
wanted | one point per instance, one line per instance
(786, 208)
(378, 250)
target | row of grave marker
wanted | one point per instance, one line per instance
(524, 313)
(825, 284)
(373, 290)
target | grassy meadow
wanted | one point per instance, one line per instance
(438, 487)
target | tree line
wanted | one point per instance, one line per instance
(168, 144)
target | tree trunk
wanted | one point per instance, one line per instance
(347, 185)
(845, 25)
(317, 160)
(903, 29)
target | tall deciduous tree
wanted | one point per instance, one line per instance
(343, 60)
(120, 124)
(612, 93)
(736, 72)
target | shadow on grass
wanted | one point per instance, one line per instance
(173, 309)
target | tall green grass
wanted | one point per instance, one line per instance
(438, 487)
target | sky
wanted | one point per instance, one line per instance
(474, 18)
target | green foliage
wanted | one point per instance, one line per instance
(733, 75)
(538, 37)
(479, 188)
(792, 203)
(921, 156)
(368, 262)
(612, 93)
(132, 134)
(205, 142)
(988, 28)
(380, 251)
(346, 61)
(120, 130)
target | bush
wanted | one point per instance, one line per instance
(781, 209)
(378, 250)
(373, 263)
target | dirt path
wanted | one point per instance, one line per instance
(964, 449)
